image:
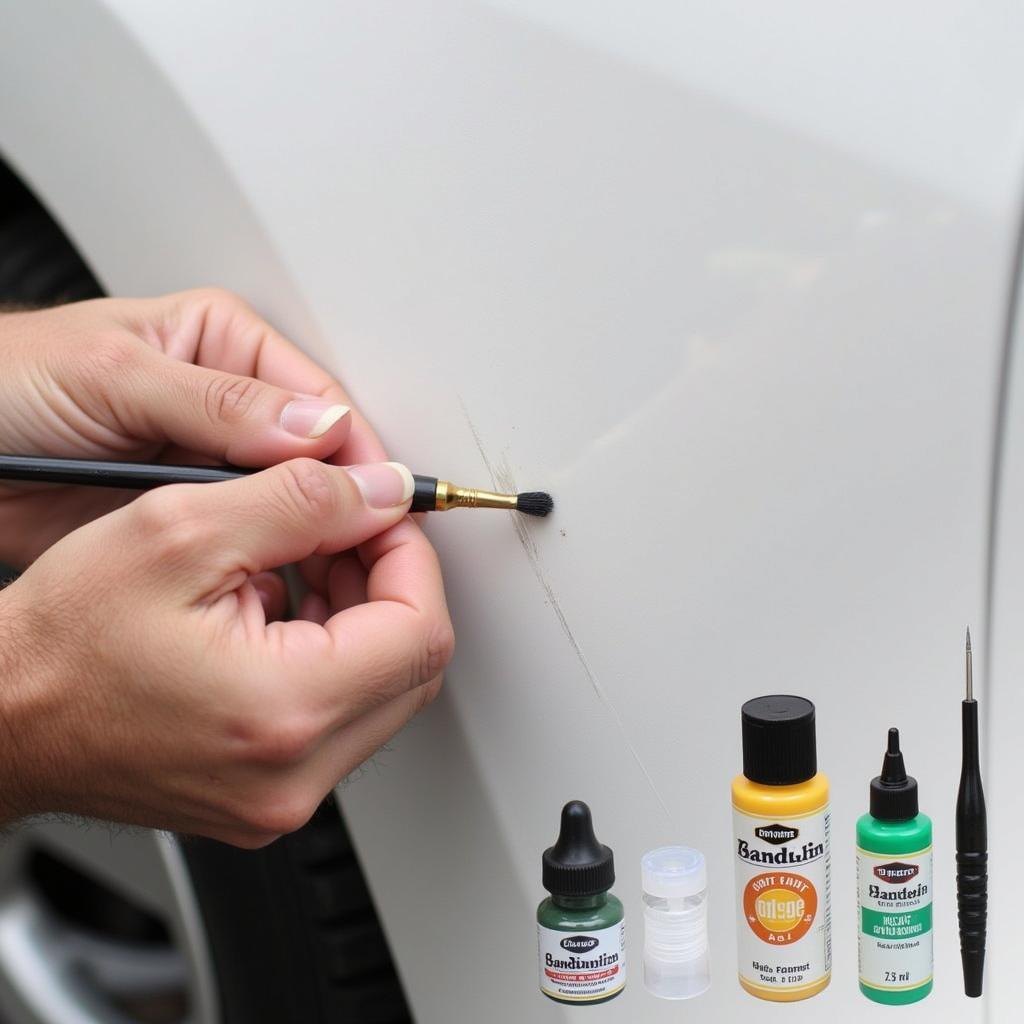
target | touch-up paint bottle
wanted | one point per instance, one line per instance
(781, 846)
(894, 888)
(581, 937)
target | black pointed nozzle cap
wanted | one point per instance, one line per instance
(577, 865)
(894, 792)
(779, 747)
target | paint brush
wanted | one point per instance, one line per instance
(430, 495)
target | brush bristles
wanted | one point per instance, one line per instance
(534, 503)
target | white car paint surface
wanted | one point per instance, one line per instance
(731, 281)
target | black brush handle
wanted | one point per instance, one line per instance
(972, 914)
(136, 476)
(142, 476)
(971, 855)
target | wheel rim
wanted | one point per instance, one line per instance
(56, 970)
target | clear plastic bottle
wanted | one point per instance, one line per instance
(674, 880)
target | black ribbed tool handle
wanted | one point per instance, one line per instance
(972, 913)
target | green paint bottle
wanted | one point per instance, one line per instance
(581, 937)
(894, 887)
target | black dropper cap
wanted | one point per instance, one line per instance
(893, 793)
(577, 865)
(778, 740)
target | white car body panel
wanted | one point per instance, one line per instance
(733, 283)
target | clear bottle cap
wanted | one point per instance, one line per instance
(673, 872)
(676, 964)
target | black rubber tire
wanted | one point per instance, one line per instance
(298, 913)
(292, 929)
(38, 265)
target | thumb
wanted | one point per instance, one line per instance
(228, 417)
(281, 515)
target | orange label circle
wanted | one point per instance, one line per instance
(779, 906)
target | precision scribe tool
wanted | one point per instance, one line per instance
(971, 846)
(431, 494)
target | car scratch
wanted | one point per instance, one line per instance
(503, 479)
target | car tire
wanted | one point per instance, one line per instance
(299, 914)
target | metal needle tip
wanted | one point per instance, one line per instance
(969, 666)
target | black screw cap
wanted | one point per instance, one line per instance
(779, 746)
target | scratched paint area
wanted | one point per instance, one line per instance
(503, 480)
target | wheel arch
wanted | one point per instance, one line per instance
(95, 127)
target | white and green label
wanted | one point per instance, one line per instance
(582, 967)
(895, 919)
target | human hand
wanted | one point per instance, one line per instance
(144, 684)
(191, 377)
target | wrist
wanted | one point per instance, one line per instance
(20, 684)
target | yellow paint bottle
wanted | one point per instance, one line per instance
(781, 827)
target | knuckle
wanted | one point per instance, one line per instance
(433, 653)
(438, 650)
(307, 489)
(231, 399)
(158, 509)
(249, 840)
(221, 304)
(284, 741)
(111, 358)
(285, 809)
(215, 295)
(428, 693)
(273, 731)
(167, 518)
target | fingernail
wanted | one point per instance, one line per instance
(384, 484)
(311, 417)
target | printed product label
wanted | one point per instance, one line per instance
(895, 897)
(579, 967)
(783, 893)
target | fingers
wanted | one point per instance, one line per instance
(339, 579)
(227, 417)
(314, 571)
(397, 641)
(314, 608)
(207, 539)
(273, 594)
(346, 583)
(218, 330)
(362, 657)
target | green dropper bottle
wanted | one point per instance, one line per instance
(581, 939)
(894, 887)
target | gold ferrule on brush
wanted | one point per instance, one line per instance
(450, 496)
